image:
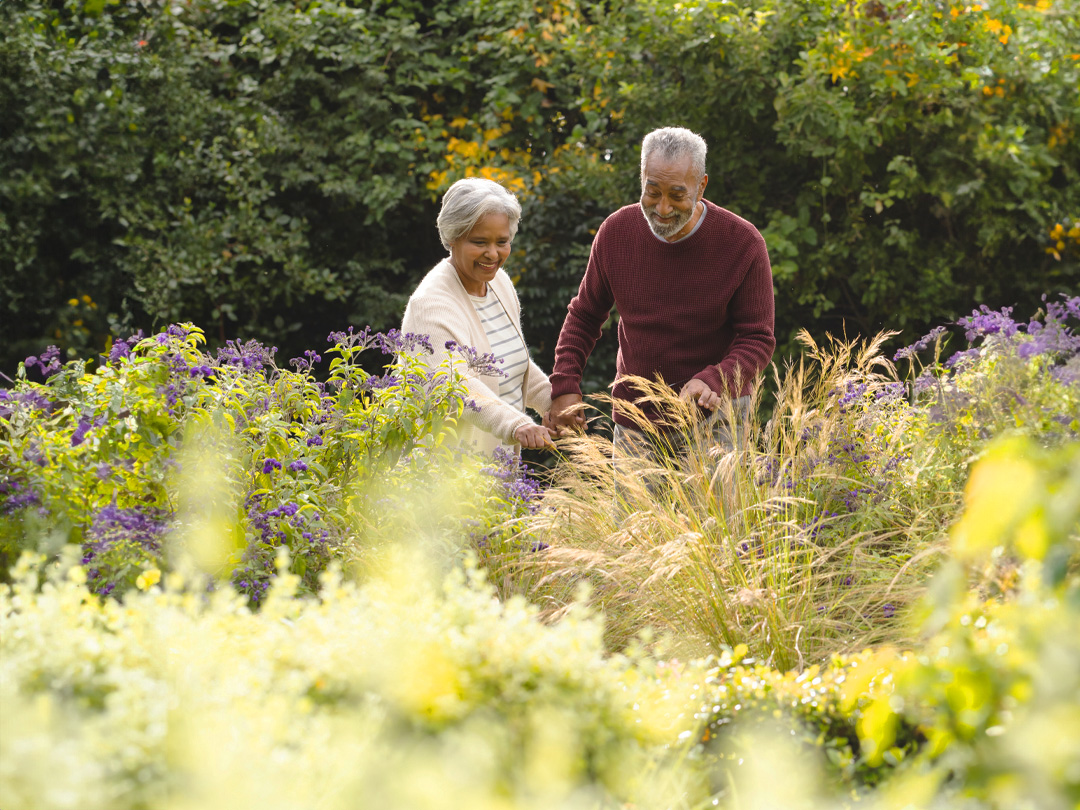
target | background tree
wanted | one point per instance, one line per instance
(273, 170)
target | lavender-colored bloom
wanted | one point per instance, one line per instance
(985, 321)
(15, 495)
(115, 537)
(285, 510)
(81, 430)
(103, 471)
(888, 611)
(853, 393)
(397, 342)
(889, 393)
(351, 339)
(200, 371)
(922, 343)
(122, 347)
(31, 398)
(298, 466)
(307, 362)
(271, 464)
(388, 380)
(962, 359)
(249, 355)
(482, 364)
(512, 472)
(314, 441)
(49, 362)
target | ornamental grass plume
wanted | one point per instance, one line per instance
(797, 541)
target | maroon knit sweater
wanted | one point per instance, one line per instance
(700, 307)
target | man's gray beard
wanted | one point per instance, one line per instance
(666, 229)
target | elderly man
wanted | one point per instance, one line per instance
(692, 284)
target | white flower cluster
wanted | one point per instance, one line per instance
(393, 694)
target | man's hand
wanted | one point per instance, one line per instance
(557, 418)
(698, 391)
(533, 437)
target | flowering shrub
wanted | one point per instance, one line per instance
(163, 442)
(397, 694)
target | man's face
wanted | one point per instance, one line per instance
(669, 196)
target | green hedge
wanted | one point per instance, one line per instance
(273, 169)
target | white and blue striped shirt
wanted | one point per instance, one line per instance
(506, 345)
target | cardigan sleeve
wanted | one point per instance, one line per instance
(440, 320)
(538, 394)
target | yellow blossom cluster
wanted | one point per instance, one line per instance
(480, 156)
(1064, 237)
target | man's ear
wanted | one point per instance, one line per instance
(701, 188)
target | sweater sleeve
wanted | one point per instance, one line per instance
(585, 317)
(439, 320)
(752, 315)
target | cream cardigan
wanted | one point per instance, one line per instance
(441, 309)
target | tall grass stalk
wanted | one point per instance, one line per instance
(755, 544)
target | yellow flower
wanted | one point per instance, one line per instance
(148, 579)
(73, 302)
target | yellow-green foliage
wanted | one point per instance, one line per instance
(398, 694)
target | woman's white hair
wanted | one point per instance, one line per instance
(675, 143)
(468, 201)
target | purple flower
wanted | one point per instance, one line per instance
(49, 362)
(388, 380)
(307, 362)
(298, 466)
(15, 495)
(314, 441)
(271, 464)
(351, 339)
(249, 355)
(482, 364)
(888, 611)
(853, 393)
(81, 430)
(396, 342)
(962, 359)
(103, 471)
(920, 344)
(31, 398)
(122, 348)
(985, 321)
(889, 393)
(200, 371)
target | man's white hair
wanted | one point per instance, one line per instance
(674, 143)
(470, 200)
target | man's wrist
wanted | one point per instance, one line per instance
(561, 386)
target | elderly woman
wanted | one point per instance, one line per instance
(467, 298)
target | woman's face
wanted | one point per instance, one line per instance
(481, 252)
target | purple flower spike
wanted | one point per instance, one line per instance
(298, 466)
(271, 464)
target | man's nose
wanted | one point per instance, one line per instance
(663, 208)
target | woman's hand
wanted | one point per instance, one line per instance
(533, 437)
